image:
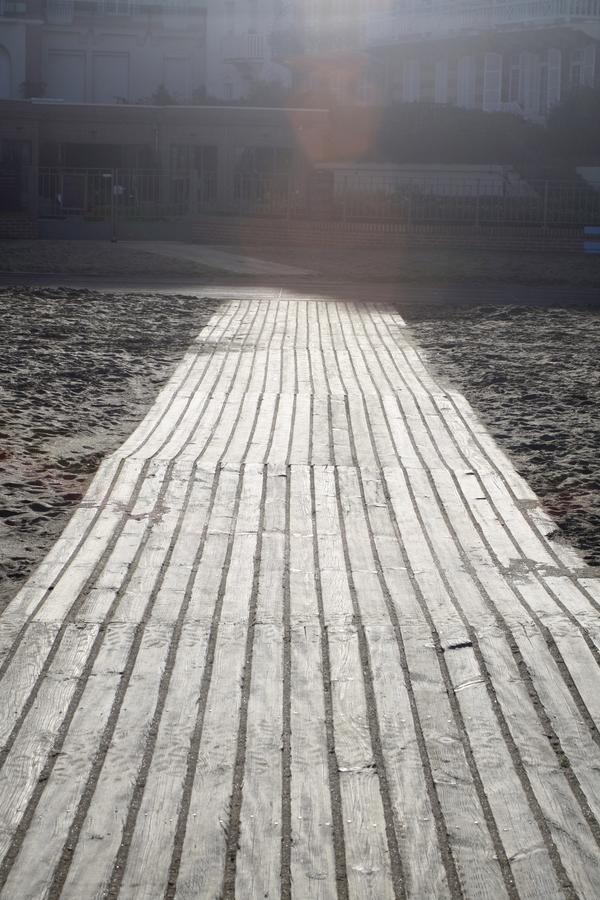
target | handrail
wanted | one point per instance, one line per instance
(446, 18)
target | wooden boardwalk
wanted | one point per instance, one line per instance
(305, 637)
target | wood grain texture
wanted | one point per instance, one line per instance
(305, 637)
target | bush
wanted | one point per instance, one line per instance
(432, 133)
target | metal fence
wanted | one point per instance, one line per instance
(542, 204)
(96, 194)
(137, 194)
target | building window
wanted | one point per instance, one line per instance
(230, 16)
(465, 82)
(15, 153)
(514, 78)
(543, 87)
(411, 81)
(576, 68)
(440, 91)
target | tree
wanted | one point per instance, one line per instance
(162, 97)
(574, 125)
(435, 133)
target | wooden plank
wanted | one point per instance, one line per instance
(31, 876)
(81, 555)
(100, 836)
(312, 850)
(367, 855)
(417, 832)
(163, 524)
(321, 451)
(147, 868)
(570, 831)
(312, 855)
(23, 672)
(414, 818)
(259, 854)
(363, 443)
(302, 431)
(280, 445)
(34, 742)
(317, 368)
(469, 837)
(330, 351)
(258, 865)
(259, 445)
(203, 853)
(342, 451)
(337, 602)
(128, 540)
(489, 751)
(476, 612)
(230, 438)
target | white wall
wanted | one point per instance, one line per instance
(12, 59)
(5, 74)
(229, 23)
(65, 74)
(125, 62)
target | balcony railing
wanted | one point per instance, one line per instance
(60, 12)
(12, 8)
(247, 47)
(448, 18)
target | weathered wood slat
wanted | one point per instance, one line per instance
(147, 870)
(31, 877)
(34, 742)
(93, 857)
(202, 865)
(305, 637)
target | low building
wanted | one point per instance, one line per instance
(57, 158)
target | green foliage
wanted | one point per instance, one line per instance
(162, 97)
(31, 89)
(574, 125)
(267, 93)
(433, 133)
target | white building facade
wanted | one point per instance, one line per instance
(514, 55)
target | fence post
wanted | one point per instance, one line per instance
(545, 209)
(192, 192)
(344, 199)
(477, 207)
(113, 205)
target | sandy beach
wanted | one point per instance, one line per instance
(532, 374)
(79, 370)
(81, 367)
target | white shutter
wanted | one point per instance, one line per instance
(111, 77)
(528, 83)
(554, 76)
(589, 65)
(465, 89)
(492, 82)
(441, 81)
(177, 80)
(411, 80)
(65, 76)
(5, 75)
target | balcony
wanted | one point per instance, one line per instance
(12, 8)
(62, 12)
(244, 48)
(442, 19)
(59, 12)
